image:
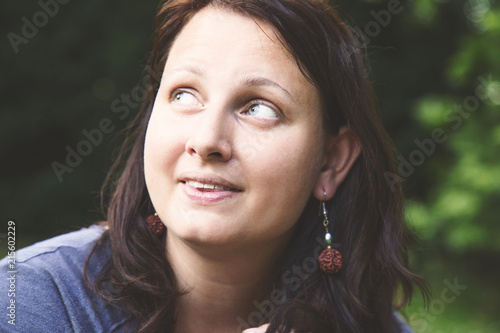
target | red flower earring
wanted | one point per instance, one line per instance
(155, 224)
(330, 260)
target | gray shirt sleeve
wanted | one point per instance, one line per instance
(43, 289)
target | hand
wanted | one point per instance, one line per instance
(260, 329)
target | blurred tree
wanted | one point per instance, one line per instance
(462, 191)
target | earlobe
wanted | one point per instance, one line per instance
(341, 151)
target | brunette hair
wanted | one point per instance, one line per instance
(366, 212)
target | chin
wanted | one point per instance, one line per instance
(207, 232)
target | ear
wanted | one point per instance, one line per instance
(341, 152)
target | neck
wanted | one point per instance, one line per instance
(221, 284)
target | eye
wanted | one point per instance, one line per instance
(184, 98)
(261, 111)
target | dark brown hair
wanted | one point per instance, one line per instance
(366, 213)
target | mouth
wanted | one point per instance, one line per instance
(209, 190)
(208, 187)
(209, 183)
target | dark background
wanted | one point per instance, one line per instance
(435, 65)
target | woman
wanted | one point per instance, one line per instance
(257, 151)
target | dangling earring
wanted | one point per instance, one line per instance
(330, 260)
(155, 224)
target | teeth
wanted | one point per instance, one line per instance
(196, 184)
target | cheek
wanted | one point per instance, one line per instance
(298, 166)
(163, 144)
(285, 173)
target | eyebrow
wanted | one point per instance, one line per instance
(248, 81)
(198, 71)
(262, 81)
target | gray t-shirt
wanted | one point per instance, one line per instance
(44, 290)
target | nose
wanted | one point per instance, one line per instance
(210, 138)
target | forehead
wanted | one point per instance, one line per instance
(218, 39)
(221, 28)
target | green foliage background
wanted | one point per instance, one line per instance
(428, 66)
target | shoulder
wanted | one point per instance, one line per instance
(74, 243)
(46, 291)
(403, 326)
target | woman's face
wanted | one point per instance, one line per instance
(235, 144)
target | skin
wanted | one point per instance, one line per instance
(234, 106)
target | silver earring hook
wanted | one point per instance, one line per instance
(325, 212)
(322, 207)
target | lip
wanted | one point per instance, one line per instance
(209, 196)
